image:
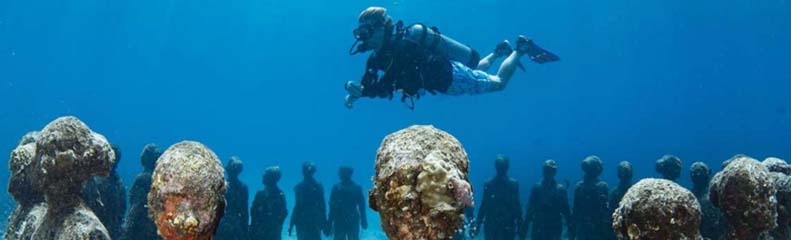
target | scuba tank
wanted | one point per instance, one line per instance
(432, 40)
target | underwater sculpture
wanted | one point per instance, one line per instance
(29, 137)
(657, 209)
(625, 174)
(269, 208)
(137, 225)
(548, 205)
(106, 197)
(68, 153)
(30, 208)
(233, 225)
(782, 182)
(777, 165)
(591, 213)
(421, 187)
(669, 167)
(750, 214)
(310, 210)
(347, 207)
(712, 225)
(500, 212)
(187, 199)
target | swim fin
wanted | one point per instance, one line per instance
(536, 53)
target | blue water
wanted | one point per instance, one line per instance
(263, 79)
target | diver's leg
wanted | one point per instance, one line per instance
(508, 68)
(510, 63)
(503, 49)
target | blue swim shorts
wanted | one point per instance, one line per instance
(467, 81)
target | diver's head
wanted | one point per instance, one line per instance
(271, 176)
(550, 169)
(234, 167)
(669, 167)
(501, 164)
(625, 171)
(372, 26)
(700, 174)
(308, 169)
(345, 173)
(592, 166)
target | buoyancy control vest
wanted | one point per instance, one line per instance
(414, 58)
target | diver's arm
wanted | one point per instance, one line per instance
(370, 85)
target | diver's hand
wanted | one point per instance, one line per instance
(353, 89)
(349, 103)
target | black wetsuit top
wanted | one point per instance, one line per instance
(408, 67)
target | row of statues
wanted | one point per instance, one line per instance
(66, 186)
(746, 200)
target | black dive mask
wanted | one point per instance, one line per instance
(361, 34)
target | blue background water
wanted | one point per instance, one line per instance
(263, 79)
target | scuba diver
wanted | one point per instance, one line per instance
(416, 59)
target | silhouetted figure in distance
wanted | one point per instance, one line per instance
(669, 167)
(500, 212)
(138, 226)
(712, 225)
(625, 182)
(233, 225)
(347, 207)
(269, 208)
(547, 207)
(591, 213)
(309, 215)
(106, 196)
